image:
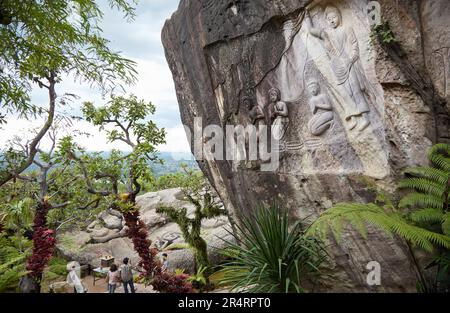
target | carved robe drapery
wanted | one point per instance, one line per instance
(342, 49)
(281, 122)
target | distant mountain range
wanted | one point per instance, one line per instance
(172, 162)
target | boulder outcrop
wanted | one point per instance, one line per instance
(345, 115)
(105, 237)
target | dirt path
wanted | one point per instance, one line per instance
(101, 286)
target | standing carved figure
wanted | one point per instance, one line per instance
(342, 48)
(321, 109)
(257, 118)
(278, 113)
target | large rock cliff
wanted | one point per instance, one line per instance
(350, 113)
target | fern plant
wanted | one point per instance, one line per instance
(422, 217)
(13, 254)
(430, 201)
(412, 220)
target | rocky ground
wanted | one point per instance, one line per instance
(106, 235)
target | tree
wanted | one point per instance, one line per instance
(123, 119)
(422, 217)
(44, 195)
(40, 42)
(206, 206)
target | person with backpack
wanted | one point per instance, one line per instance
(126, 275)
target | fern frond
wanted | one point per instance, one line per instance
(439, 155)
(437, 175)
(390, 223)
(424, 185)
(417, 199)
(446, 224)
(427, 215)
(12, 262)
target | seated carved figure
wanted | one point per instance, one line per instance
(321, 109)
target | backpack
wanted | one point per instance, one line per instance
(125, 274)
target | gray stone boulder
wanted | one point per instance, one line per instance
(345, 124)
(107, 235)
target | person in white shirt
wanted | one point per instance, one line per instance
(73, 278)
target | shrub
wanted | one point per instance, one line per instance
(269, 256)
(172, 283)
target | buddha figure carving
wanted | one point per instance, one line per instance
(341, 47)
(278, 113)
(321, 109)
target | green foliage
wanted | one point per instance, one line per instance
(187, 178)
(422, 216)
(123, 119)
(428, 204)
(13, 254)
(61, 36)
(17, 215)
(391, 222)
(57, 268)
(179, 271)
(206, 206)
(177, 246)
(384, 32)
(198, 280)
(430, 201)
(269, 256)
(127, 115)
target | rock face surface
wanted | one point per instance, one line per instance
(107, 234)
(346, 116)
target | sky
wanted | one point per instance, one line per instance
(140, 41)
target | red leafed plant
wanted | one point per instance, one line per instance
(162, 282)
(172, 283)
(43, 243)
(137, 232)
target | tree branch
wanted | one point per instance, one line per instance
(32, 150)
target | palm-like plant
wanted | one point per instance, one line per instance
(269, 256)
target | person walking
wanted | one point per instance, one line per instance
(73, 277)
(165, 263)
(113, 278)
(126, 275)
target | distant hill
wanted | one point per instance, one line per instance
(172, 162)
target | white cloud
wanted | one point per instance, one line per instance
(139, 41)
(176, 140)
(95, 141)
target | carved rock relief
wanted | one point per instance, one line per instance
(335, 103)
(328, 112)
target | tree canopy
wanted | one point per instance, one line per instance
(41, 42)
